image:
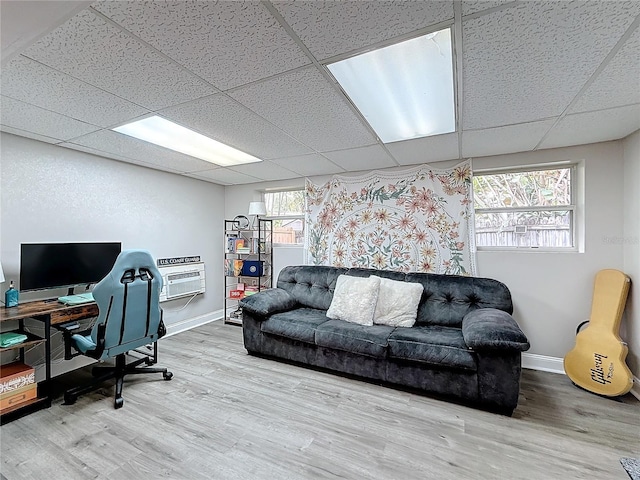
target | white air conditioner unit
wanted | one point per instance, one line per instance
(182, 280)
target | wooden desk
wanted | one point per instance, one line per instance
(49, 312)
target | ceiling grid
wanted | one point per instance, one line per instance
(529, 75)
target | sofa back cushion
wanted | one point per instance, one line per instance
(311, 286)
(445, 301)
(448, 298)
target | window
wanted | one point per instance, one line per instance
(526, 209)
(286, 209)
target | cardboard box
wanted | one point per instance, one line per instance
(16, 375)
(22, 395)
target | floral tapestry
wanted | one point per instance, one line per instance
(412, 220)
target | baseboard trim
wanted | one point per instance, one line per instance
(556, 365)
(543, 363)
(635, 389)
(190, 323)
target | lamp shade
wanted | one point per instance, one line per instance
(257, 208)
(1, 274)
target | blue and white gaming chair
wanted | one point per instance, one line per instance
(129, 317)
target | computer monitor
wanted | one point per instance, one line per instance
(45, 266)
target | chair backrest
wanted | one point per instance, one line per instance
(128, 301)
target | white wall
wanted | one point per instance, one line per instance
(53, 194)
(551, 291)
(631, 246)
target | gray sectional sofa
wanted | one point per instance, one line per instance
(465, 345)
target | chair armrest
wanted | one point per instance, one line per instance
(492, 329)
(268, 302)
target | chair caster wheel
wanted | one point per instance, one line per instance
(69, 399)
(119, 402)
(167, 375)
(148, 361)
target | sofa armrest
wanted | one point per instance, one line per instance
(268, 302)
(492, 329)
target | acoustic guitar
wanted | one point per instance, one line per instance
(597, 362)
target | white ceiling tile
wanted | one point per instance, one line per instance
(332, 28)
(265, 171)
(32, 82)
(225, 120)
(474, 6)
(226, 43)
(111, 142)
(88, 48)
(28, 134)
(363, 158)
(528, 62)
(24, 22)
(308, 165)
(425, 150)
(308, 108)
(508, 139)
(224, 176)
(23, 116)
(593, 127)
(618, 84)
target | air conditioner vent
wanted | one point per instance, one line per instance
(182, 280)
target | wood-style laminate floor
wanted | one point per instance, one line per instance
(228, 415)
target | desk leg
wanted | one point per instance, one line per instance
(47, 353)
(45, 389)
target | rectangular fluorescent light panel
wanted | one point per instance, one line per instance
(164, 133)
(404, 90)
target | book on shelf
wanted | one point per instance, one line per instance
(231, 243)
(243, 250)
(232, 267)
(250, 291)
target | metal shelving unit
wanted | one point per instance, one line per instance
(248, 264)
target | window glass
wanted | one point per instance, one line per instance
(524, 209)
(286, 209)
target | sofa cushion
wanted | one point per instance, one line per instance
(448, 298)
(311, 286)
(432, 344)
(397, 303)
(299, 324)
(354, 338)
(354, 299)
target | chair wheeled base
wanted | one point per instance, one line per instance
(118, 372)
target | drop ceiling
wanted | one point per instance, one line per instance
(529, 75)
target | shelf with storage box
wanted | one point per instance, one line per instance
(248, 263)
(18, 386)
(47, 312)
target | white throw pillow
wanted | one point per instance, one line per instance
(397, 303)
(354, 299)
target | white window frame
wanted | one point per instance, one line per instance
(576, 199)
(286, 217)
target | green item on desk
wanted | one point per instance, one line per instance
(11, 338)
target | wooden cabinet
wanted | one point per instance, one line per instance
(248, 264)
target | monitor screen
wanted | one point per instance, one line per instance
(56, 265)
